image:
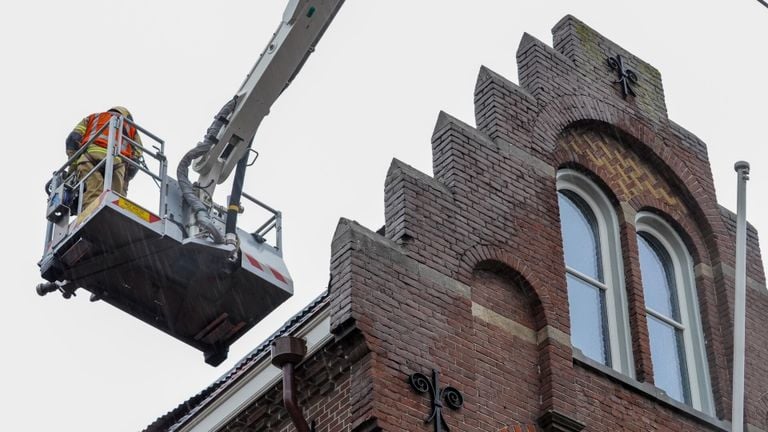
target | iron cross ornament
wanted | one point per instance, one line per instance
(627, 76)
(452, 397)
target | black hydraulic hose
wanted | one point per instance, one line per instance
(237, 191)
(189, 195)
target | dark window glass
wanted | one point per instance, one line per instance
(580, 237)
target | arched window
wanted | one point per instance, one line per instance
(594, 274)
(674, 325)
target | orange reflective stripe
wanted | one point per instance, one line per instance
(119, 141)
(95, 123)
(130, 130)
(131, 133)
(126, 148)
(98, 121)
(89, 130)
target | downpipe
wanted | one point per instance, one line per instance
(287, 352)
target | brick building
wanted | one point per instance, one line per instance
(566, 268)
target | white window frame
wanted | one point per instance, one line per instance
(699, 383)
(617, 313)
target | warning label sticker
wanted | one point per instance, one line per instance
(135, 209)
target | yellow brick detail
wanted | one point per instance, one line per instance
(629, 174)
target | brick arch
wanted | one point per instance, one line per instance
(554, 355)
(672, 172)
(597, 174)
(502, 291)
(568, 110)
(571, 110)
(482, 255)
(648, 142)
(687, 229)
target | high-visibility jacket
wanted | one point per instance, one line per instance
(91, 125)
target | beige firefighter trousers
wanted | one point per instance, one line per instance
(94, 184)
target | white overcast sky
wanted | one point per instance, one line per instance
(372, 91)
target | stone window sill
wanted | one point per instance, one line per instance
(649, 391)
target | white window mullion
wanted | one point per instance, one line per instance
(585, 278)
(665, 319)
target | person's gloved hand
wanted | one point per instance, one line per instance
(73, 143)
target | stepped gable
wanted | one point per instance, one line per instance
(467, 277)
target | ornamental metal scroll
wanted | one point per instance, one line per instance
(452, 397)
(627, 76)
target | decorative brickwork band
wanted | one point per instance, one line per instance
(453, 398)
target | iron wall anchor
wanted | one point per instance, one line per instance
(627, 76)
(452, 397)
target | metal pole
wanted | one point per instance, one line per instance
(279, 232)
(48, 236)
(80, 194)
(163, 185)
(737, 415)
(110, 158)
(233, 209)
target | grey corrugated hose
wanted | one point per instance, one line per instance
(202, 218)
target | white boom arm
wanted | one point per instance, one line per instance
(303, 24)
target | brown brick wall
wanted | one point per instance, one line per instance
(605, 405)
(481, 336)
(468, 277)
(492, 198)
(500, 298)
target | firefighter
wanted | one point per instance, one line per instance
(86, 131)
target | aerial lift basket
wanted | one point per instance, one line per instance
(173, 268)
(143, 262)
